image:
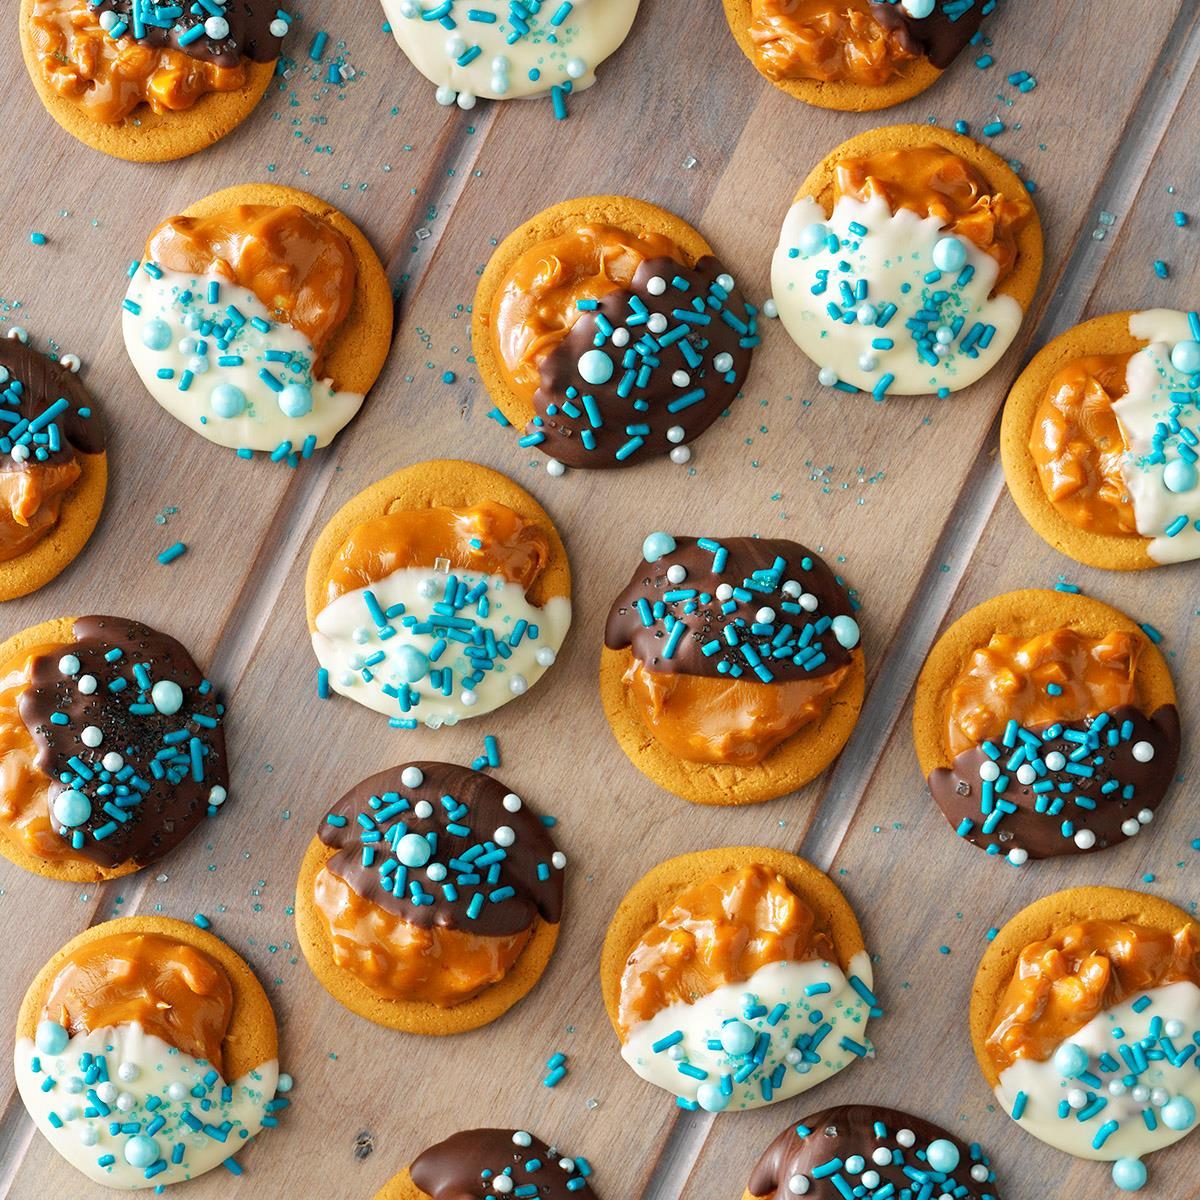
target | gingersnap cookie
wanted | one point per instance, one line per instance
(870, 1150)
(853, 55)
(1085, 1016)
(260, 318)
(115, 746)
(494, 50)
(430, 899)
(731, 671)
(492, 1162)
(907, 262)
(1100, 440)
(151, 83)
(53, 467)
(1045, 723)
(147, 1053)
(736, 978)
(440, 592)
(632, 346)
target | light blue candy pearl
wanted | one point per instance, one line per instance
(1070, 1060)
(845, 629)
(657, 545)
(410, 664)
(812, 238)
(71, 808)
(156, 334)
(595, 367)
(167, 697)
(710, 1098)
(737, 1038)
(228, 401)
(918, 9)
(295, 400)
(1185, 357)
(942, 1155)
(141, 1151)
(51, 1037)
(1180, 476)
(949, 254)
(413, 850)
(1178, 1114)
(1129, 1174)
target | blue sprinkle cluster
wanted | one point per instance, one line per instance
(190, 22)
(38, 436)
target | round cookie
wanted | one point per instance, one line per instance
(542, 898)
(1106, 335)
(45, 382)
(249, 1049)
(181, 814)
(874, 1148)
(845, 983)
(1000, 309)
(357, 348)
(144, 135)
(792, 763)
(449, 483)
(846, 96)
(681, 388)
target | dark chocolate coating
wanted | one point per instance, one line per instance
(43, 382)
(250, 33)
(483, 797)
(958, 790)
(560, 369)
(938, 37)
(625, 627)
(463, 1167)
(170, 808)
(849, 1131)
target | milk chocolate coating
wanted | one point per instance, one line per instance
(958, 790)
(849, 1131)
(939, 38)
(250, 33)
(484, 799)
(560, 369)
(169, 809)
(463, 1167)
(44, 381)
(746, 556)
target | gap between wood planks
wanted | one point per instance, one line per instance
(887, 696)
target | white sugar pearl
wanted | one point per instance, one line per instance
(764, 616)
(725, 282)
(855, 1164)
(566, 1164)
(427, 588)
(809, 602)
(412, 777)
(989, 771)
(466, 101)
(521, 1138)
(455, 46)
(68, 664)
(422, 810)
(723, 363)
(1159, 1096)
(1055, 761)
(681, 455)
(724, 592)
(1018, 856)
(827, 377)
(681, 379)
(558, 860)
(87, 1134)
(791, 588)
(112, 761)
(1143, 751)
(676, 573)
(361, 635)
(1173, 1028)
(217, 28)
(798, 1185)
(1141, 1093)
(870, 1179)
(544, 656)
(92, 736)
(657, 323)
(1116, 1088)
(445, 96)
(555, 469)
(217, 796)
(1026, 774)
(20, 452)
(518, 685)
(656, 285)
(176, 1091)
(881, 1156)
(868, 362)
(1085, 839)
(71, 362)
(576, 68)
(125, 1102)
(1145, 816)
(980, 1173)
(1077, 1098)
(278, 28)
(676, 434)
(468, 698)
(436, 872)
(504, 836)
(1131, 827)
(512, 802)
(770, 309)
(107, 1091)
(503, 1184)
(87, 684)
(906, 1138)
(792, 1057)
(620, 337)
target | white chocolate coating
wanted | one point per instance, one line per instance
(346, 636)
(180, 300)
(161, 1069)
(510, 63)
(896, 250)
(842, 1010)
(1046, 1088)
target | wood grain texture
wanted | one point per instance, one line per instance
(905, 498)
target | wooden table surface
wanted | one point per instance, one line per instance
(906, 497)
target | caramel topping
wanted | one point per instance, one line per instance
(24, 788)
(741, 721)
(538, 302)
(717, 932)
(933, 182)
(30, 503)
(1008, 680)
(174, 991)
(401, 961)
(1066, 981)
(110, 78)
(295, 262)
(1077, 444)
(835, 41)
(508, 545)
